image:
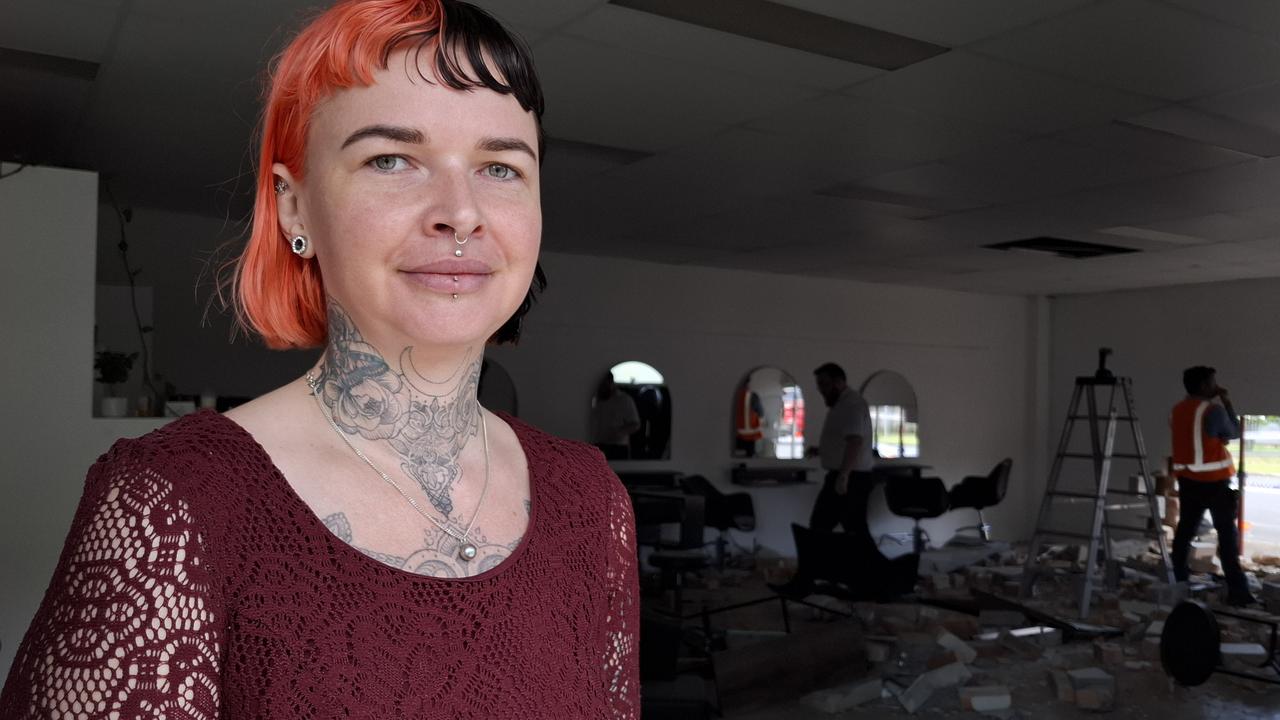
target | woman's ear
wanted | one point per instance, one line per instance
(289, 211)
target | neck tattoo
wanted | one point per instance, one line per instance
(365, 396)
(466, 549)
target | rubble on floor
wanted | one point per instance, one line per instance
(1000, 662)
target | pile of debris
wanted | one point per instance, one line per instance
(926, 656)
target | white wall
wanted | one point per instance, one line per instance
(48, 437)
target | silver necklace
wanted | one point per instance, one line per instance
(466, 549)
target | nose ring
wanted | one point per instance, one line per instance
(463, 241)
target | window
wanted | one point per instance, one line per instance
(1260, 462)
(895, 435)
(894, 415)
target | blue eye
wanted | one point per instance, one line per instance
(387, 163)
(501, 172)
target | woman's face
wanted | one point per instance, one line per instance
(393, 171)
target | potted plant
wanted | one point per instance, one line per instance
(113, 368)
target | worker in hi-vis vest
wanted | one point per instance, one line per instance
(1200, 427)
(748, 421)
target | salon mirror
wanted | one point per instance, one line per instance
(631, 413)
(768, 416)
(894, 414)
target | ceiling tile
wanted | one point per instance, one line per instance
(1178, 152)
(1211, 129)
(704, 48)
(964, 85)
(1258, 106)
(1220, 228)
(625, 99)
(1014, 172)
(540, 15)
(899, 133)
(941, 21)
(63, 28)
(1256, 16)
(797, 222)
(1143, 47)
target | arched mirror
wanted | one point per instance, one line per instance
(768, 416)
(497, 390)
(894, 415)
(631, 413)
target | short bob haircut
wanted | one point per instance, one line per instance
(276, 293)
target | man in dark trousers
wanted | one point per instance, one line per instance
(845, 450)
(1200, 428)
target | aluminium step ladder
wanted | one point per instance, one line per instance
(1091, 392)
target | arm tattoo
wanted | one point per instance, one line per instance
(370, 398)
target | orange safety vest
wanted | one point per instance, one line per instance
(746, 419)
(1197, 456)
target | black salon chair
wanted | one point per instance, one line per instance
(723, 511)
(847, 567)
(675, 560)
(918, 498)
(667, 693)
(980, 492)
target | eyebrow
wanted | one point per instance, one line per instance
(504, 144)
(390, 132)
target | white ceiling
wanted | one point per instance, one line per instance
(1142, 123)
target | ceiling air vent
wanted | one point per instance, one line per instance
(1071, 249)
(794, 28)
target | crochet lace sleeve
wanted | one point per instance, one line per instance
(128, 627)
(622, 669)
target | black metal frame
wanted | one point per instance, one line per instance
(1190, 644)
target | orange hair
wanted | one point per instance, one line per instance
(276, 293)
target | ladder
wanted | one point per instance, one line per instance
(1101, 427)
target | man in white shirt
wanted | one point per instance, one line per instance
(845, 451)
(614, 419)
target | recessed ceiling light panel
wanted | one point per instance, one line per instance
(794, 28)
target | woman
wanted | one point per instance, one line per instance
(366, 541)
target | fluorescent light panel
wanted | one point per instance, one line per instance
(1070, 249)
(794, 28)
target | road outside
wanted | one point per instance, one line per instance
(1262, 515)
(1262, 485)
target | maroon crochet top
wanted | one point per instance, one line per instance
(196, 584)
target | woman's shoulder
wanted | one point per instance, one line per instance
(184, 451)
(573, 461)
(199, 428)
(541, 445)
